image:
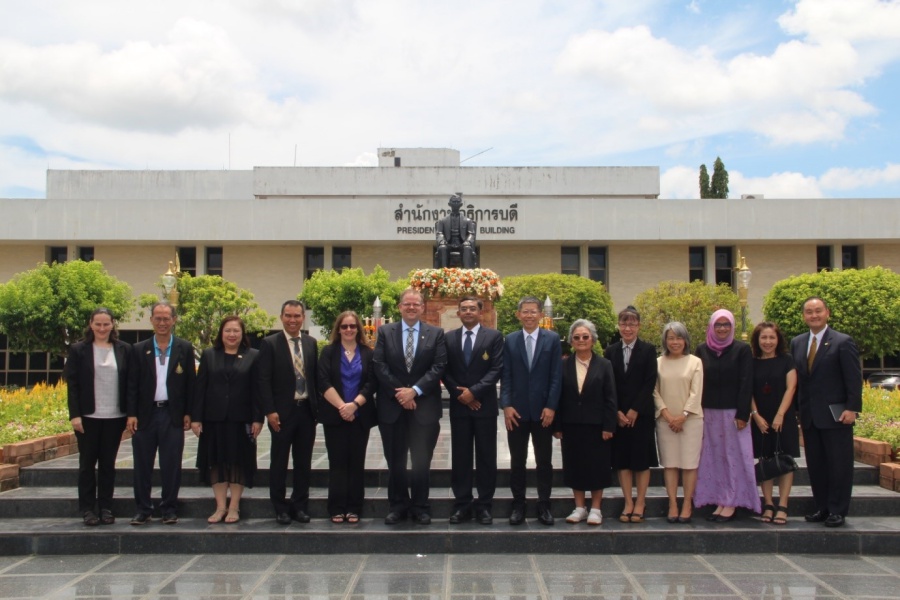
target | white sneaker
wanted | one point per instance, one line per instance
(595, 518)
(578, 515)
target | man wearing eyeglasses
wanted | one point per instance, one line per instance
(286, 393)
(529, 395)
(410, 357)
(474, 364)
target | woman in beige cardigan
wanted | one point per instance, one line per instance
(679, 417)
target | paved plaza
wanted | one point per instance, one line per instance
(452, 577)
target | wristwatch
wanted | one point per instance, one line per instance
(686, 413)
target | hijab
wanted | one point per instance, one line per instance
(711, 340)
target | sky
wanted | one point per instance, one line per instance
(798, 97)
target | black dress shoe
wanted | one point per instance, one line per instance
(675, 519)
(484, 516)
(300, 516)
(820, 516)
(106, 517)
(834, 521)
(544, 516)
(140, 519)
(170, 518)
(423, 519)
(517, 516)
(712, 517)
(283, 518)
(686, 520)
(90, 519)
(394, 517)
(460, 516)
(723, 519)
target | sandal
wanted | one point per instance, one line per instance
(768, 508)
(233, 516)
(352, 518)
(217, 516)
(637, 518)
(625, 517)
(776, 520)
(338, 518)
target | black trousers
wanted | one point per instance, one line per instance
(159, 434)
(478, 434)
(295, 440)
(98, 447)
(542, 441)
(402, 438)
(346, 444)
(829, 461)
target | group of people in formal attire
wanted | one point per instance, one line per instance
(704, 415)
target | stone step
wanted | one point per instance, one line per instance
(53, 536)
(197, 502)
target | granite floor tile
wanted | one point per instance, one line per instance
(682, 584)
(834, 564)
(888, 563)
(498, 584)
(743, 563)
(228, 563)
(795, 585)
(211, 584)
(577, 563)
(40, 565)
(498, 563)
(292, 584)
(399, 583)
(8, 562)
(663, 563)
(147, 563)
(882, 586)
(588, 584)
(30, 586)
(320, 563)
(408, 563)
(113, 585)
(385, 596)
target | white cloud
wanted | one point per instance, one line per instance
(842, 178)
(684, 182)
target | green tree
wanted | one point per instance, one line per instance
(573, 298)
(864, 304)
(204, 301)
(691, 303)
(704, 182)
(718, 188)
(47, 308)
(328, 293)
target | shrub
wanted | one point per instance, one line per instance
(880, 419)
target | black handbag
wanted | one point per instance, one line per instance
(776, 465)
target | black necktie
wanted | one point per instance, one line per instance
(467, 347)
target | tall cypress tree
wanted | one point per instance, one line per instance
(719, 186)
(704, 182)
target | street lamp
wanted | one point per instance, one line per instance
(170, 281)
(743, 275)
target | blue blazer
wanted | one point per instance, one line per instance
(531, 391)
(836, 378)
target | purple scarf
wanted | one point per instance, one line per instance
(711, 340)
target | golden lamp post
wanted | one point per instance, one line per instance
(743, 276)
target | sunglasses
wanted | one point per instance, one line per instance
(348, 326)
(579, 338)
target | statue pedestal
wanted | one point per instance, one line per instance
(441, 312)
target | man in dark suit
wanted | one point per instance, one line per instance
(829, 394)
(529, 396)
(160, 389)
(286, 393)
(410, 357)
(474, 364)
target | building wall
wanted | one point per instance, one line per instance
(273, 273)
(770, 264)
(634, 268)
(398, 259)
(140, 267)
(20, 257)
(884, 255)
(507, 260)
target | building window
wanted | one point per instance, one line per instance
(214, 260)
(850, 257)
(396, 161)
(187, 257)
(823, 258)
(571, 260)
(697, 263)
(340, 258)
(597, 264)
(86, 253)
(315, 260)
(725, 265)
(57, 254)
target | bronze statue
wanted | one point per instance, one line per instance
(455, 238)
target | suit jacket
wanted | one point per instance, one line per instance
(276, 380)
(596, 403)
(330, 377)
(634, 388)
(226, 395)
(480, 375)
(531, 391)
(836, 378)
(428, 367)
(80, 377)
(180, 377)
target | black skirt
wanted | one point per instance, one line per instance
(586, 457)
(226, 453)
(634, 448)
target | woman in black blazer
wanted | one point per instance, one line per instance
(346, 387)
(97, 381)
(634, 445)
(585, 422)
(226, 418)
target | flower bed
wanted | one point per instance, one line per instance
(454, 283)
(880, 418)
(27, 414)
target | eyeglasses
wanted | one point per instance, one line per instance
(579, 338)
(628, 323)
(722, 326)
(468, 309)
(347, 326)
(411, 304)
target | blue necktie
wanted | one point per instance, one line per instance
(467, 347)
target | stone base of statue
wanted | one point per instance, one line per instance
(443, 288)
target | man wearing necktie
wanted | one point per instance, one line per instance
(410, 357)
(286, 392)
(529, 395)
(829, 395)
(474, 364)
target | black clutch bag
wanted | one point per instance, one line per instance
(776, 465)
